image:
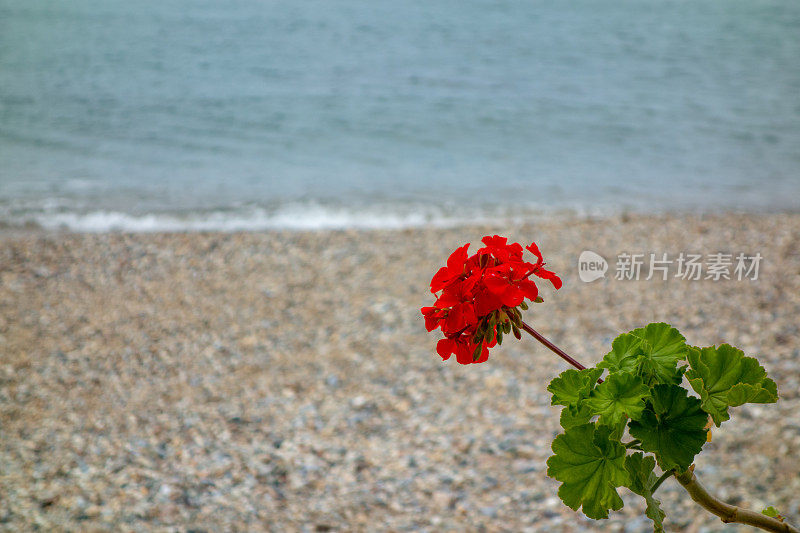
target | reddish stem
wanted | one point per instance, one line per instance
(558, 351)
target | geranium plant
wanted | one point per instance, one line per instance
(636, 419)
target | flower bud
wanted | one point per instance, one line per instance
(477, 353)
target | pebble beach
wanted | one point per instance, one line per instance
(284, 380)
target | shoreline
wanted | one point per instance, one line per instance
(319, 217)
(284, 379)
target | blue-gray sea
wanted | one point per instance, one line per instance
(203, 114)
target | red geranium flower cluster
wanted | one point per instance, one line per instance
(481, 296)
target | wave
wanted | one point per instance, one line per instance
(63, 215)
(288, 217)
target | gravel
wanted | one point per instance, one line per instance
(283, 381)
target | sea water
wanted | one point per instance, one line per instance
(247, 114)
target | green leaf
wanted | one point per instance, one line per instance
(624, 353)
(574, 416)
(667, 342)
(572, 386)
(640, 469)
(651, 352)
(667, 346)
(672, 427)
(724, 377)
(621, 395)
(589, 466)
(772, 513)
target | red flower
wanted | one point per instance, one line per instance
(538, 269)
(465, 350)
(453, 270)
(480, 297)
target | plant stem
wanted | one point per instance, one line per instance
(729, 513)
(558, 351)
(726, 512)
(660, 480)
(633, 444)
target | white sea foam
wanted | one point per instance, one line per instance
(61, 214)
(293, 217)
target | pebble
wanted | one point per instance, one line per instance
(285, 381)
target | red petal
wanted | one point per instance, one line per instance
(546, 274)
(464, 352)
(535, 251)
(515, 250)
(440, 279)
(529, 289)
(496, 284)
(445, 348)
(431, 317)
(457, 259)
(447, 299)
(520, 269)
(455, 320)
(432, 322)
(469, 283)
(469, 313)
(502, 270)
(494, 241)
(486, 302)
(512, 297)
